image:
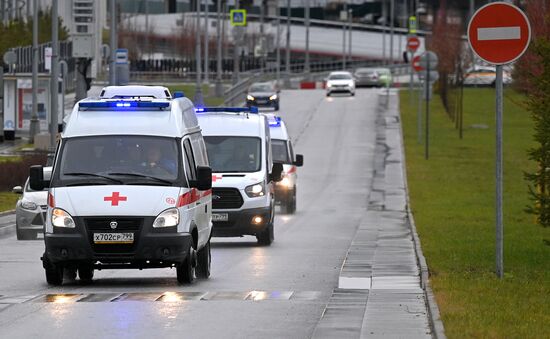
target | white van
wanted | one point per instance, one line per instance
(238, 145)
(130, 188)
(283, 152)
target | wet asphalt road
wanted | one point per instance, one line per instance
(278, 291)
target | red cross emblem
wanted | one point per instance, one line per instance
(215, 177)
(115, 198)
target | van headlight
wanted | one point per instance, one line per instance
(256, 190)
(28, 205)
(329, 85)
(168, 218)
(249, 97)
(60, 218)
(273, 97)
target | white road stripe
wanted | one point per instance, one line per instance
(499, 33)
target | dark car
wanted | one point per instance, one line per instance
(263, 94)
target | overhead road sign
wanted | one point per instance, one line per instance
(237, 17)
(499, 33)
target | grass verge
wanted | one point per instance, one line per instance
(7, 201)
(452, 198)
(189, 91)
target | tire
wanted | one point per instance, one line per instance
(266, 237)
(291, 204)
(85, 273)
(328, 94)
(276, 107)
(352, 94)
(54, 272)
(186, 270)
(204, 259)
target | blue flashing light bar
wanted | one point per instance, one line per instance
(252, 109)
(123, 104)
(276, 122)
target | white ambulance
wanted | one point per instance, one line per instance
(283, 152)
(238, 145)
(130, 188)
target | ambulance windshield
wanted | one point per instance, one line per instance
(234, 154)
(126, 159)
(280, 151)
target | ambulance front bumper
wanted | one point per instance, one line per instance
(149, 248)
(240, 222)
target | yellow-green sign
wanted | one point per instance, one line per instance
(237, 17)
(412, 25)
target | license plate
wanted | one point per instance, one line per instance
(220, 217)
(113, 238)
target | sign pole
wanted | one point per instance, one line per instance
(411, 70)
(427, 84)
(499, 186)
(499, 44)
(419, 114)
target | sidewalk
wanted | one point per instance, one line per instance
(383, 289)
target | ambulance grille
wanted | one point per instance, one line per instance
(226, 198)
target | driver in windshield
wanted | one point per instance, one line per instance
(155, 164)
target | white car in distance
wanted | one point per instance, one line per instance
(340, 82)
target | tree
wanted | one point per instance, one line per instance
(19, 33)
(539, 106)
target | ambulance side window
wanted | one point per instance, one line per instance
(292, 158)
(199, 150)
(189, 161)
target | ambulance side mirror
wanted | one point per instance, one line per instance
(36, 178)
(299, 160)
(204, 178)
(276, 172)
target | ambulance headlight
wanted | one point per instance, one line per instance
(273, 97)
(329, 85)
(285, 182)
(249, 97)
(168, 218)
(256, 190)
(60, 218)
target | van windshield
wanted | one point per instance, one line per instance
(280, 151)
(119, 160)
(234, 154)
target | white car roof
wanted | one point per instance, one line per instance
(157, 92)
(176, 120)
(236, 124)
(339, 72)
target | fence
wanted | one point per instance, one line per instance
(25, 56)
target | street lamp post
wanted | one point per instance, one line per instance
(287, 50)
(206, 39)
(198, 99)
(278, 51)
(306, 65)
(35, 123)
(54, 80)
(219, 87)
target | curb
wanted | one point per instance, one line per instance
(8, 212)
(436, 323)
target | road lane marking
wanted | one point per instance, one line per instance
(499, 33)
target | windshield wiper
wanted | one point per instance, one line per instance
(144, 176)
(94, 175)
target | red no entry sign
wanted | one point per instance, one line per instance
(416, 64)
(499, 33)
(413, 43)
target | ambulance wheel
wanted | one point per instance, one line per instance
(204, 259)
(328, 94)
(266, 236)
(186, 270)
(290, 204)
(54, 273)
(86, 273)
